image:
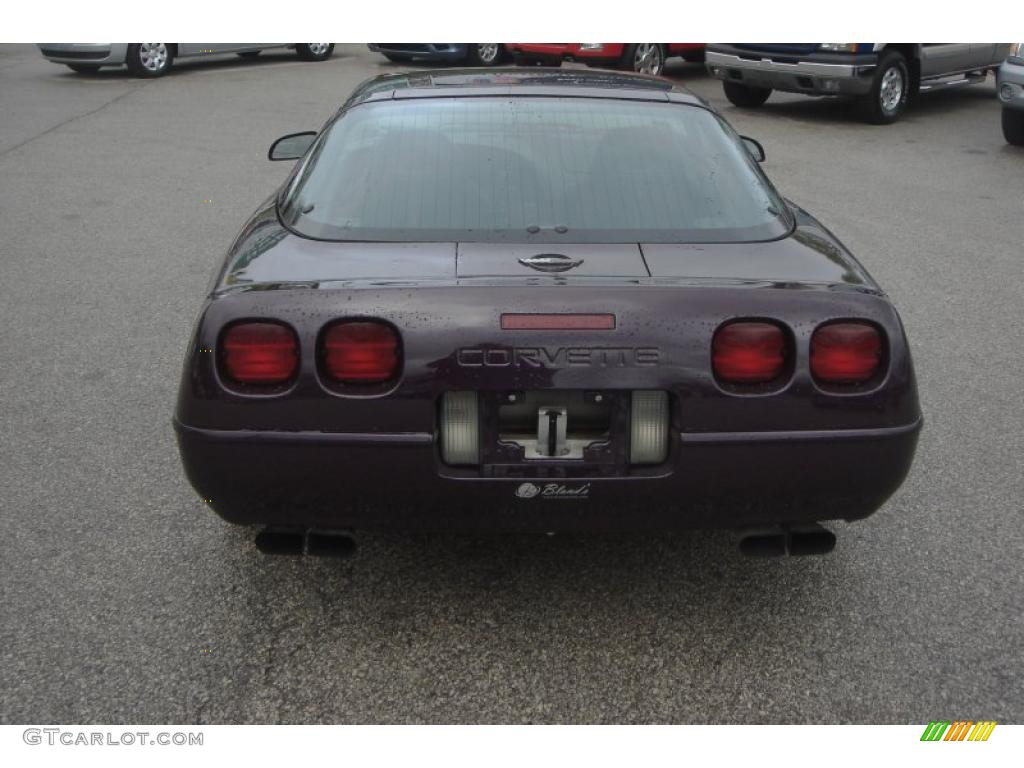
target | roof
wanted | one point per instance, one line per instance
(525, 81)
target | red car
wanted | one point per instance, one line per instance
(648, 58)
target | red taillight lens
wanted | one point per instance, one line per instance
(748, 352)
(259, 353)
(360, 352)
(845, 353)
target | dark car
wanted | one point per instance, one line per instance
(475, 54)
(540, 300)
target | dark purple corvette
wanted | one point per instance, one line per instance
(540, 300)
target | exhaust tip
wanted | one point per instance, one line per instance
(271, 541)
(772, 544)
(798, 540)
(811, 541)
(330, 544)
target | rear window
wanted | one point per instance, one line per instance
(525, 169)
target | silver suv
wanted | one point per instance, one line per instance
(1010, 87)
(884, 77)
(155, 59)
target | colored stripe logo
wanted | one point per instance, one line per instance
(958, 730)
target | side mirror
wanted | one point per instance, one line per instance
(754, 148)
(291, 147)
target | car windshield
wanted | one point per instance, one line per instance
(526, 169)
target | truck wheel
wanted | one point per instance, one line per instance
(890, 90)
(314, 51)
(745, 95)
(484, 54)
(149, 59)
(1013, 126)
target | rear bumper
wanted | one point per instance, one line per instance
(98, 54)
(596, 53)
(1010, 85)
(605, 54)
(815, 74)
(425, 51)
(712, 480)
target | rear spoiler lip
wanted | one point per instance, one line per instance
(540, 281)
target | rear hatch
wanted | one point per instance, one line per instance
(510, 260)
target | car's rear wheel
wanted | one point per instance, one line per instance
(1013, 126)
(747, 96)
(645, 58)
(149, 59)
(484, 54)
(890, 90)
(397, 57)
(249, 54)
(314, 51)
(84, 69)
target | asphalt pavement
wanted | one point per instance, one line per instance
(123, 599)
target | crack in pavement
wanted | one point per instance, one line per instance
(61, 124)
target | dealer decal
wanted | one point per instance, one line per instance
(553, 490)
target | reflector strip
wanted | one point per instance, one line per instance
(559, 322)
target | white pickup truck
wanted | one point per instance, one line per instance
(884, 77)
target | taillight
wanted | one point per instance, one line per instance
(845, 353)
(360, 352)
(748, 352)
(259, 353)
